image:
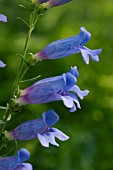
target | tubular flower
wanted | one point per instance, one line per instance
(55, 88)
(3, 18)
(15, 162)
(53, 3)
(68, 46)
(41, 129)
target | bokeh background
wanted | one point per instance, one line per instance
(90, 129)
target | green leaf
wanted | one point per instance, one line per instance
(3, 108)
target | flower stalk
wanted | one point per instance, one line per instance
(20, 75)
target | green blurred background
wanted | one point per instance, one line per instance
(90, 129)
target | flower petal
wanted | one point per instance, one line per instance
(70, 81)
(67, 100)
(74, 98)
(73, 109)
(51, 139)
(50, 117)
(74, 71)
(59, 134)
(2, 64)
(93, 53)
(79, 92)
(43, 140)
(3, 18)
(24, 166)
(85, 55)
(23, 155)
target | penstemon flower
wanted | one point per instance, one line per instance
(55, 88)
(39, 128)
(53, 3)
(16, 162)
(3, 18)
(68, 46)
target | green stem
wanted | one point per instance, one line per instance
(21, 64)
(5, 120)
(18, 76)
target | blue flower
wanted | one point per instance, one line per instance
(55, 88)
(53, 3)
(15, 162)
(39, 128)
(68, 46)
(3, 18)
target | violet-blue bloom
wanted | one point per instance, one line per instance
(53, 3)
(39, 128)
(55, 88)
(16, 162)
(68, 46)
(3, 18)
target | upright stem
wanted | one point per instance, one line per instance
(21, 64)
(18, 76)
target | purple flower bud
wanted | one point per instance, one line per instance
(3, 18)
(55, 88)
(15, 162)
(68, 46)
(53, 3)
(39, 128)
